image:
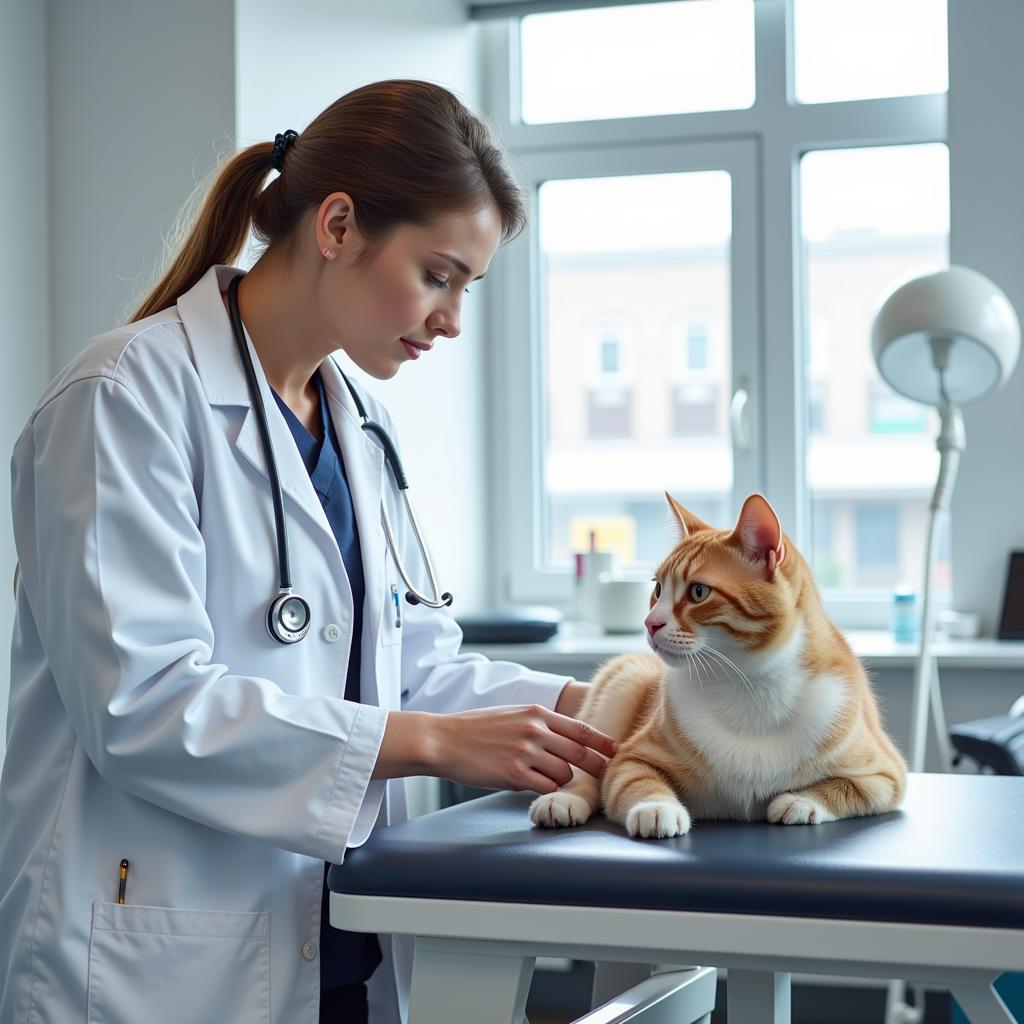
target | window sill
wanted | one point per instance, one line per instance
(576, 645)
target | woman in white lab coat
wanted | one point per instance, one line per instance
(153, 718)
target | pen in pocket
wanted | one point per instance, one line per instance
(122, 881)
(398, 606)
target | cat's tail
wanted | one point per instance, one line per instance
(613, 705)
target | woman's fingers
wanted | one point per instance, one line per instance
(539, 783)
(581, 732)
(552, 767)
(574, 752)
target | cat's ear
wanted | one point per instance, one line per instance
(682, 522)
(758, 534)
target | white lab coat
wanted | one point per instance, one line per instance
(153, 718)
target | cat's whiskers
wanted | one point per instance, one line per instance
(744, 678)
(702, 662)
(689, 668)
(691, 655)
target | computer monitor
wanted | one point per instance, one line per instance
(1011, 622)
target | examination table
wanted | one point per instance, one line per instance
(931, 893)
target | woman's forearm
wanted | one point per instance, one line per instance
(418, 742)
(408, 745)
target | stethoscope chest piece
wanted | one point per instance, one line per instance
(288, 618)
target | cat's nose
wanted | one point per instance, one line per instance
(653, 625)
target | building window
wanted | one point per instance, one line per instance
(697, 342)
(878, 543)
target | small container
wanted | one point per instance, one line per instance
(959, 625)
(904, 621)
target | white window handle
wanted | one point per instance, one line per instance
(740, 420)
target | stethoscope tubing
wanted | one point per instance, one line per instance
(284, 569)
(287, 598)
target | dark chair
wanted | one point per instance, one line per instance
(997, 744)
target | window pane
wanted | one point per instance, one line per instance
(637, 60)
(636, 357)
(869, 217)
(862, 49)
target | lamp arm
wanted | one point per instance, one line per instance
(950, 443)
(952, 440)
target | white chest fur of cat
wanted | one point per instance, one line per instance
(760, 732)
(751, 707)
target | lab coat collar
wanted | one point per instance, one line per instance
(219, 366)
(208, 327)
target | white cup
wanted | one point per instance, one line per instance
(622, 604)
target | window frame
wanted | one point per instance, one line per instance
(778, 131)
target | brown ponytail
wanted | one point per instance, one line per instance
(406, 151)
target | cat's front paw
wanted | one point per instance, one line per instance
(658, 819)
(559, 810)
(797, 809)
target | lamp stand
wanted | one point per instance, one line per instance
(926, 692)
(950, 443)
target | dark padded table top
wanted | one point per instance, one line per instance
(953, 855)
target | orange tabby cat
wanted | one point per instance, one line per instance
(753, 706)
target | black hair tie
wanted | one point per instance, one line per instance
(281, 144)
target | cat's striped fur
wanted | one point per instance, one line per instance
(752, 705)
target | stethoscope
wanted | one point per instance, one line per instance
(289, 615)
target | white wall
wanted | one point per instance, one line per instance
(140, 93)
(295, 59)
(986, 145)
(24, 268)
(110, 109)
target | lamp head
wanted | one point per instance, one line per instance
(954, 320)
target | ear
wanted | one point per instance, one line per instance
(758, 534)
(681, 521)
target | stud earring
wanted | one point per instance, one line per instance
(329, 254)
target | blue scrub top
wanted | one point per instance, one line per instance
(345, 957)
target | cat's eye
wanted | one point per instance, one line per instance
(657, 589)
(699, 592)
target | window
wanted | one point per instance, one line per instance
(891, 413)
(744, 238)
(869, 217)
(616, 436)
(697, 347)
(817, 370)
(637, 60)
(878, 541)
(692, 348)
(609, 355)
(859, 49)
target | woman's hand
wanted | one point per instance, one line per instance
(521, 747)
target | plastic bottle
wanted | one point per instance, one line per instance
(904, 621)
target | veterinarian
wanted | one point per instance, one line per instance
(230, 646)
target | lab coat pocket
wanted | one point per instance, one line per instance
(158, 965)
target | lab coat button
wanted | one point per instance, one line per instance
(309, 951)
(332, 633)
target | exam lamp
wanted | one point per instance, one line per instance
(943, 338)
